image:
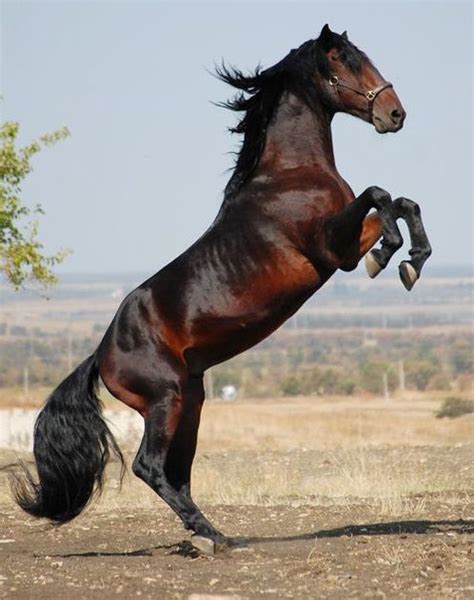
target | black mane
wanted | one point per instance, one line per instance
(260, 93)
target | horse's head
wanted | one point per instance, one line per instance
(350, 83)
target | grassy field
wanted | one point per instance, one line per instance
(330, 498)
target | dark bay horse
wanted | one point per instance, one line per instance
(287, 223)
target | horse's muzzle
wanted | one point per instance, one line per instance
(391, 122)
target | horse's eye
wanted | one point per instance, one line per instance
(338, 56)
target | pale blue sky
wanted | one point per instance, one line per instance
(142, 175)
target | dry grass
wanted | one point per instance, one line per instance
(326, 423)
(364, 476)
(15, 397)
(388, 457)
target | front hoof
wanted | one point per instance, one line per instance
(372, 266)
(408, 274)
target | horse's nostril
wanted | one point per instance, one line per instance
(396, 115)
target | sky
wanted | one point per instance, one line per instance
(141, 176)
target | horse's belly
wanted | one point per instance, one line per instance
(246, 320)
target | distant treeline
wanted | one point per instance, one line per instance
(291, 362)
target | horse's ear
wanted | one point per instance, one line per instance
(325, 37)
(325, 32)
(344, 35)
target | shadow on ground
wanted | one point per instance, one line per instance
(392, 528)
(185, 547)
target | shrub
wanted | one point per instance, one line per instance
(419, 373)
(291, 386)
(371, 377)
(455, 407)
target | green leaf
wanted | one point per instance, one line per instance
(22, 257)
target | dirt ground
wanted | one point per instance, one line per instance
(369, 521)
(304, 552)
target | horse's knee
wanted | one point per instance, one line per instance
(377, 195)
(405, 206)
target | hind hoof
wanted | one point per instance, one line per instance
(372, 266)
(204, 545)
(408, 275)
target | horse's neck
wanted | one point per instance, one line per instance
(298, 137)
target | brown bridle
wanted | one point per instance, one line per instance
(371, 95)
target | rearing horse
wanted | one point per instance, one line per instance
(287, 223)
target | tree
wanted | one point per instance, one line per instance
(419, 373)
(21, 252)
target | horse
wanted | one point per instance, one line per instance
(287, 223)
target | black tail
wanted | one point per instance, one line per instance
(71, 449)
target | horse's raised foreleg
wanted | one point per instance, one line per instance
(167, 450)
(351, 233)
(420, 250)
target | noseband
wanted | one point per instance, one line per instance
(371, 95)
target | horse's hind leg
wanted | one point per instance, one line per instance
(167, 450)
(420, 251)
(180, 455)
